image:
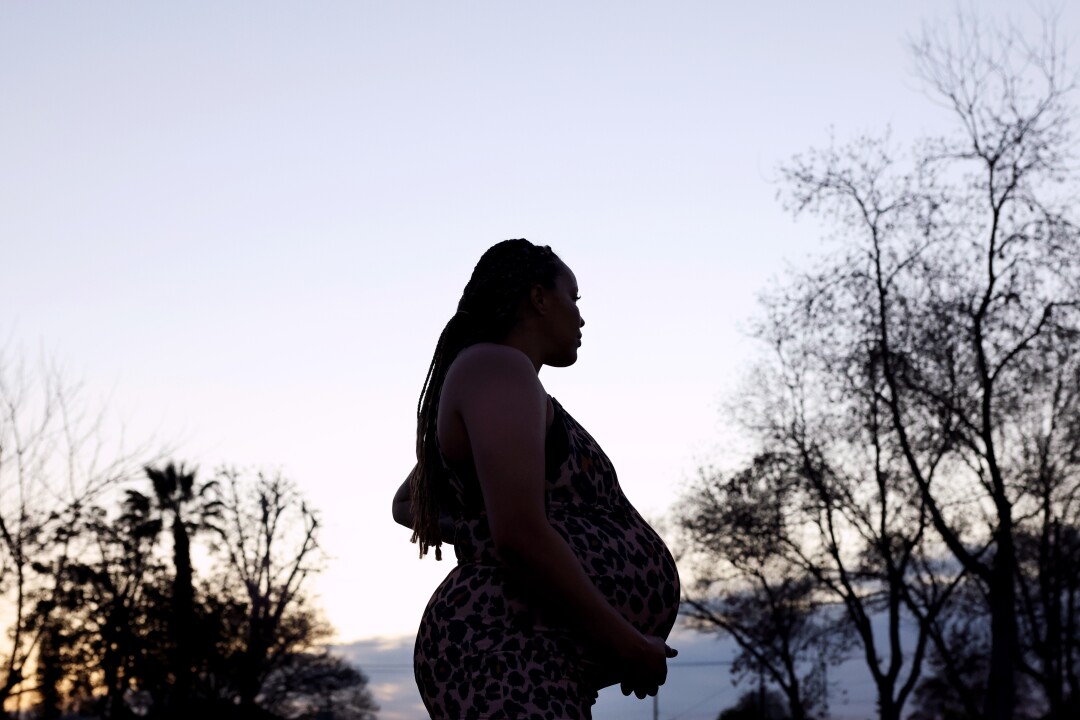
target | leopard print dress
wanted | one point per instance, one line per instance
(487, 648)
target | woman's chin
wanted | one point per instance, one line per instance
(563, 360)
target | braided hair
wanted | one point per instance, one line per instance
(487, 311)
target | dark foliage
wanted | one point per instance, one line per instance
(250, 646)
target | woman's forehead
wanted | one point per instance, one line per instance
(567, 275)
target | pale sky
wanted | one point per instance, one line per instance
(245, 223)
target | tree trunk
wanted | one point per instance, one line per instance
(1001, 684)
(183, 611)
(795, 704)
(50, 673)
(116, 625)
(887, 708)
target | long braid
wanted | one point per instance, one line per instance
(486, 312)
(426, 503)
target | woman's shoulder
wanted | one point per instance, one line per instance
(488, 372)
(494, 360)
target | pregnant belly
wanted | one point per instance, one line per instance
(627, 561)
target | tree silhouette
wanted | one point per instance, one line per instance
(922, 400)
(111, 624)
(309, 686)
(97, 623)
(268, 538)
(961, 279)
(253, 642)
(187, 508)
(745, 585)
(54, 463)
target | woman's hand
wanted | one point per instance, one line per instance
(402, 510)
(645, 666)
(402, 507)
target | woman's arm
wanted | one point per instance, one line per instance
(504, 408)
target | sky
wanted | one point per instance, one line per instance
(241, 226)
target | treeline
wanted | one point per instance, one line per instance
(144, 591)
(912, 499)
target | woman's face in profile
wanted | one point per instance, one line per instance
(563, 319)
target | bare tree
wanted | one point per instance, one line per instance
(269, 540)
(817, 518)
(916, 421)
(745, 586)
(959, 275)
(54, 461)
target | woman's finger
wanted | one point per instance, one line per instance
(671, 652)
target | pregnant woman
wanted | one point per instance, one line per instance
(560, 588)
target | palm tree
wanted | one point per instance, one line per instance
(187, 508)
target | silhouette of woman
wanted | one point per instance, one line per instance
(561, 588)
